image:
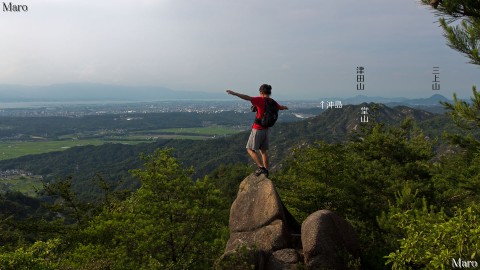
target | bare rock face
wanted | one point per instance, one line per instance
(285, 259)
(257, 218)
(261, 229)
(242, 259)
(265, 236)
(329, 242)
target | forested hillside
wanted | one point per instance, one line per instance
(382, 177)
(113, 161)
(53, 127)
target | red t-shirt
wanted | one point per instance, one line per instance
(259, 102)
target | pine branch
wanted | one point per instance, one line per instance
(454, 9)
(464, 38)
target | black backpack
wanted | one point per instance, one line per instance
(270, 115)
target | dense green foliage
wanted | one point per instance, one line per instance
(381, 181)
(227, 178)
(434, 238)
(385, 179)
(39, 256)
(358, 179)
(171, 222)
(113, 161)
(443, 237)
(430, 238)
(465, 36)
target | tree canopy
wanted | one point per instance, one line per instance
(460, 20)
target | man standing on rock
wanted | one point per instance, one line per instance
(258, 139)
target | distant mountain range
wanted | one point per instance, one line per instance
(114, 160)
(434, 100)
(105, 92)
(96, 92)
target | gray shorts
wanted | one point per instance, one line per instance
(258, 139)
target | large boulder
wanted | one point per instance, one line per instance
(285, 259)
(329, 242)
(241, 259)
(257, 218)
(265, 236)
(262, 232)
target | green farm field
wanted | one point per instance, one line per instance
(199, 131)
(14, 149)
(27, 185)
(10, 150)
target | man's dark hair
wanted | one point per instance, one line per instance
(266, 89)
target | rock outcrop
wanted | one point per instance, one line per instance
(264, 235)
(257, 217)
(329, 242)
(285, 259)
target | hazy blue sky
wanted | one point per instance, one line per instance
(303, 48)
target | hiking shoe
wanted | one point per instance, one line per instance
(261, 170)
(265, 171)
(258, 171)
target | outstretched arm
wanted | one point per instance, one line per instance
(282, 107)
(242, 96)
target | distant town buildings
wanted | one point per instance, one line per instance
(14, 172)
(79, 110)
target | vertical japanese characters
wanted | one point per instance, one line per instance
(360, 78)
(361, 86)
(436, 78)
(364, 115)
